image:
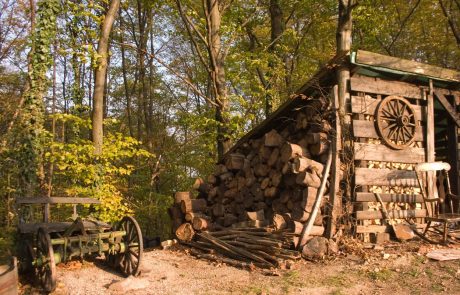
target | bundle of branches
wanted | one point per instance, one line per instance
(246, 247)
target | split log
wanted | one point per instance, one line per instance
(314, 138)
(229, 219)
(275, 177)
(261, 170)
(273, 139)
(218, 210)
(270, 192)
(301, 164)
(199, 223)
(189, 216)
(265, 183)
(279, 222)
(296, 228)
(196, 205)
(256, 215)
(273, 157)
(291, 150)
(235, 161)
(308, 179)
(220, 169)
(212, 179)
(185, 232)
(251, 223)
(179, 196)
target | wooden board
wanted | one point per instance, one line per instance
(386, 87)
(363, 128)
(409, 66)
(59, 226)
(387, 177)
(57, 200)
(380, 152)
(392, 214)
(396, 198)
(373, 228)
(9, 278)
(367, 105)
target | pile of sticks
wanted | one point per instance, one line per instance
(245, 247)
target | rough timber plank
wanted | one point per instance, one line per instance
(363, 128)
(379, 152)
(373, 228)
(367, 105)
(387, 177)
(413, 67)
(392, 214)
(395, 198)
(379, 86)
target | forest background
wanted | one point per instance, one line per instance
(185, 79)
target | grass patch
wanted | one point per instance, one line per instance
(255, 290)
(291, 279)
(381, 275)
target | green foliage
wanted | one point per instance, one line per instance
(84, 174)
(33, 134)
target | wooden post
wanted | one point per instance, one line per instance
(453, 154)
(334, 197)
(430, 148)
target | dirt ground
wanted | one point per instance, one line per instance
(393, 269)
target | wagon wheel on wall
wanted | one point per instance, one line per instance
(46, 267)
(130, 260)
(396, 122)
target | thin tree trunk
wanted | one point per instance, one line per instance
(125, 81)
(100, 75)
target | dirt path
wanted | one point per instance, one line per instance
(389, 271)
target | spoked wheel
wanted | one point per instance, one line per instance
(46, 267)
(130, 260)
(396, 122)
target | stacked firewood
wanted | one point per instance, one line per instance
(272, 179)
(260, 247)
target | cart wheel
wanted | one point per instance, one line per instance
(130, 261)
(27, 253)
(46, 270)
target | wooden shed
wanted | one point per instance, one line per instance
(370, 118)
(370, 154)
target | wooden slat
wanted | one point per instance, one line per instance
(367, 105)
(392, 214)
(363, 128)
(448, 107)
(373, 228)
(57, 226)
(386, 177)
(379, 152)
(386, 87)
(57, 200)
(367, 229)
(395, 198)
(409, 66)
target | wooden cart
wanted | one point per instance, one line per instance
(44, 244)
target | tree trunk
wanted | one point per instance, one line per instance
(100, 75)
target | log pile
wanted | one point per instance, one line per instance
(245, 247)
(270, 180)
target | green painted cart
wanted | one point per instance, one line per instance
(42, 245)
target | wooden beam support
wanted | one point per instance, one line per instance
(379, 86)
(364, 128)
(448, 107)
(379, 152)
(387, 177)
(395, 198)
(392, 214)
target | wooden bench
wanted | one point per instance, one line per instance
(27, 228)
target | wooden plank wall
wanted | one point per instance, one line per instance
(371, 171)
